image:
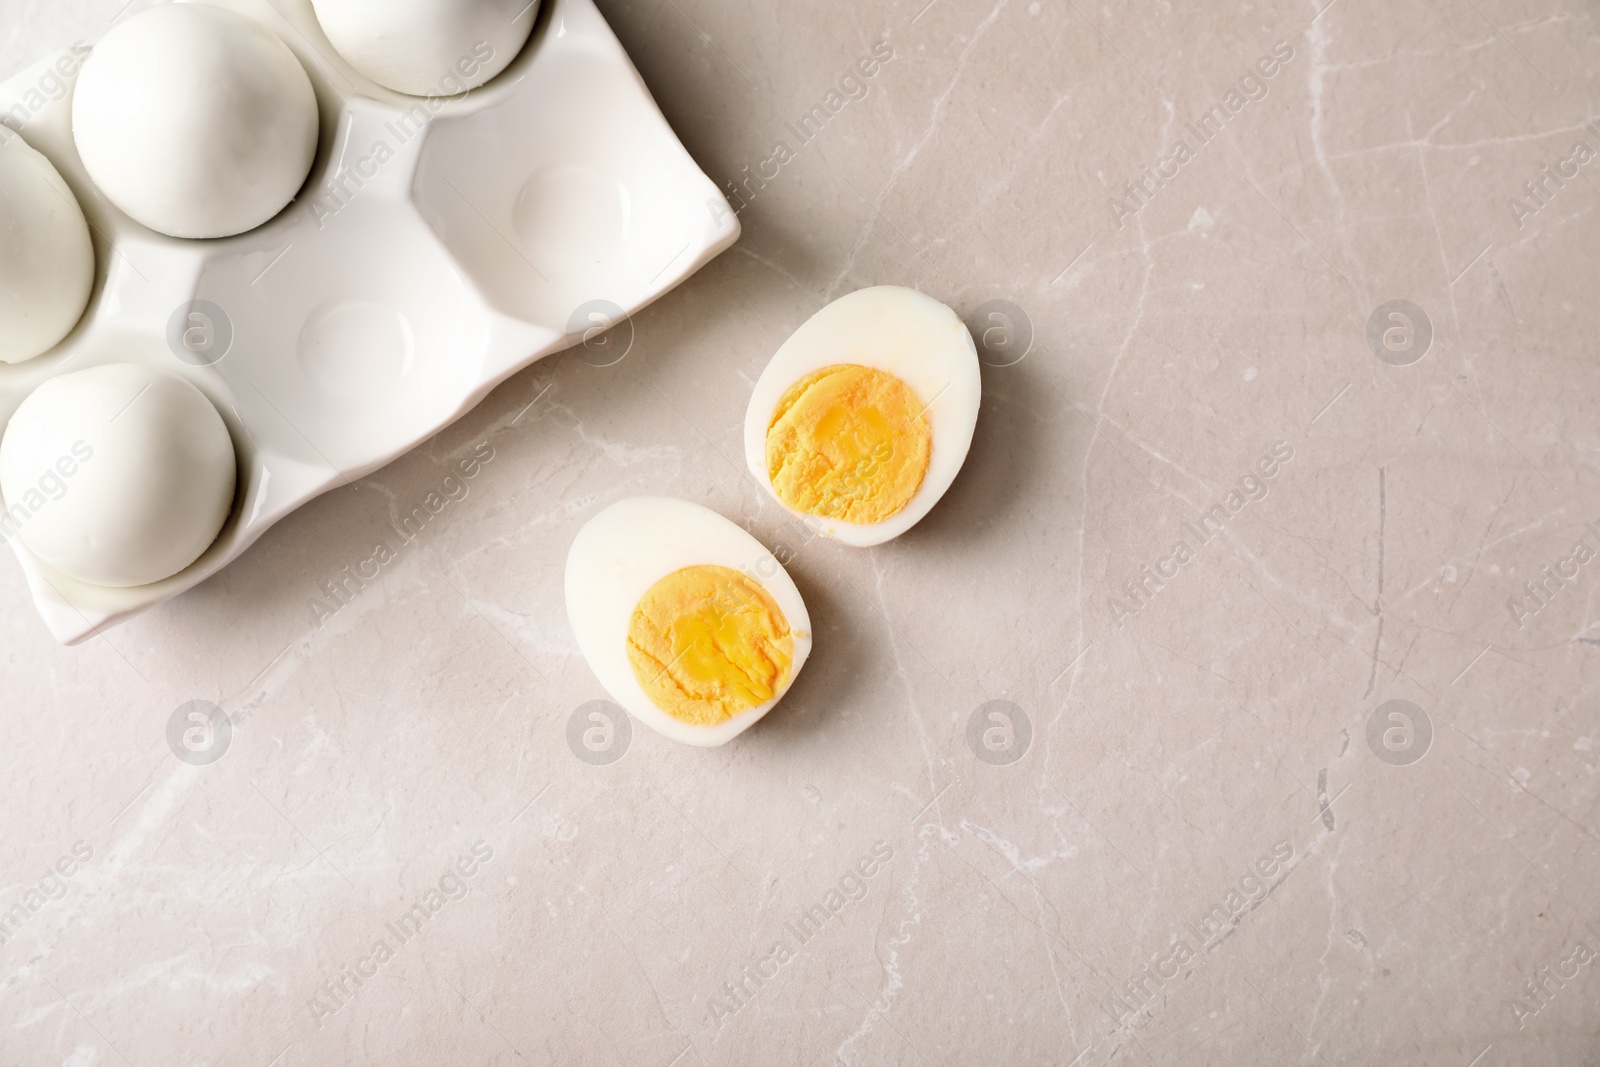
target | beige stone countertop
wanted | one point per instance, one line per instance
(1201, 829)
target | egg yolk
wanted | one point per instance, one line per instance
(850, 443)
(707, 642)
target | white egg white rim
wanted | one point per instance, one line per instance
(935, 357)
(606, 577)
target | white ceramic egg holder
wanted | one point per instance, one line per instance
(400, 287)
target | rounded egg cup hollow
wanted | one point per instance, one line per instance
(438, 246)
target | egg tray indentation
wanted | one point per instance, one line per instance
(438, 247)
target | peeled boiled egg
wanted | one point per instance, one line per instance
(864, 416)
(46, 257)
(686, 620)
(118, 475)
(428, 47)
(195, 121)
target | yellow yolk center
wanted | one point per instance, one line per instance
(707, 642)
(848, 442)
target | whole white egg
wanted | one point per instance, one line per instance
(864, 416)
(687, 621)
(118, 475)
(428, 47)
(46, 257)
(195, 121)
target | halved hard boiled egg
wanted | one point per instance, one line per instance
(687, 621)
(864, 416)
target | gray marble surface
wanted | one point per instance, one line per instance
(1218, 838)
